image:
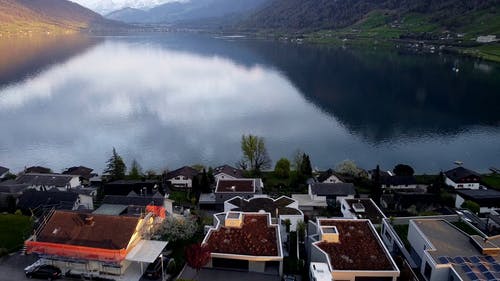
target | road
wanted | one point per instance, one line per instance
(11, 267)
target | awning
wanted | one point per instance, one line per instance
(146, 251)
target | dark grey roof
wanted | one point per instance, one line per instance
(38, 169)
(228, 170)
(12, 187)
(381, 173)
(484, 197)
(460, 173)
(31, 199)
(89, 191)
(333, 189)
(132, 200)
(184, 171)
(269, 205)
(3, 170)
(44, 179)
(398, 180)
(79, 171)
(323, 176)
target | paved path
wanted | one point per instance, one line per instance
(12, 267)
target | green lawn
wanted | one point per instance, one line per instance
(465, 227)
(180, 197)
(492, 180)
(14, 229)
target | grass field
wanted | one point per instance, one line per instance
(492, 180)
(14, 229)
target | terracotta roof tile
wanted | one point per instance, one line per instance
(240, 185)
(89, 230)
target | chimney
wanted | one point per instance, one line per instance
(330, 234)
(234, 219)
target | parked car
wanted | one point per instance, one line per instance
(289, 278)
(45, 271)
(154, 269)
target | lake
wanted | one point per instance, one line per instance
(171, 99)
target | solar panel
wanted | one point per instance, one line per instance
(496, 266)
(466, 268)
(489, 275)
(442, 260)
(482, 268)
(472, 276)
(475, 259)
(459, 260)
(489, 258)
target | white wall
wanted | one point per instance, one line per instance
(294, 219)
(86, 201)
(332, 179)
(462, 185)
(181, 181)
(224, 177)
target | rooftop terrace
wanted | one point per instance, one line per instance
(255, 237)
(269, 205)
(368, 211)
(358, 247)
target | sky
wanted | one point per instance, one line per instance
(107, 6)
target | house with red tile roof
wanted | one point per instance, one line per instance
(96, 245)
(351, 249)
(245, 241)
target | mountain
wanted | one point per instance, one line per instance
(188, 11)
(104, 7)
(56, 16)
(334, 14)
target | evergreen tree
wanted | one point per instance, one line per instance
(115, 167)
(305, 167)
(376, 192)
(205, 182)
(135, 172)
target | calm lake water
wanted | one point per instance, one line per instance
(174, 99)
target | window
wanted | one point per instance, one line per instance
(427, 271)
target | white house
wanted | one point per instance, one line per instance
(227, 172)
(444, 252)
(399, 182)
(284, 208)
(462, 178)
(329, 176)
(48, 181)
(350, 250)
(487, 199)
(182, 177)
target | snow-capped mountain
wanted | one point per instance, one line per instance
(106, 6)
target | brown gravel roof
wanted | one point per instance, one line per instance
(89, 230)
(358, 249)
(241, 185)
(255, 238)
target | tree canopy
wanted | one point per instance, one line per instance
(305, 166)
(255, 154)
(115, 166)
(348, 167)
(135, 172)
(282, 168)
(403, 170)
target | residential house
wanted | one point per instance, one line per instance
(444, 252)
(246, 188)
(37, 202)
(133, 204)
(3, 172)
(227, 172)
(10, 191)
(487, 199)
(96, 246)
(412, 202)
(124, 187)
(486, 39)
(382, 174)
(349, 250)
(329, 176)
(182, 177)
(362, 208)
(322, 195)
(399, 182)
(48, 181)
(246, 242)
(282, 209)
(37, 170)
(86, 197)
(84, 173)
(460, 178)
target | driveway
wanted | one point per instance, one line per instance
(12, 266)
